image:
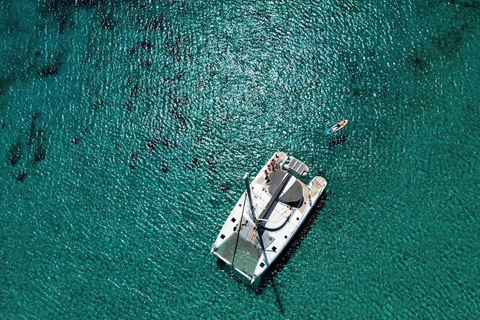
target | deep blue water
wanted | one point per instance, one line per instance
(126, 127)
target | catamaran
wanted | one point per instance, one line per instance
(267, 216)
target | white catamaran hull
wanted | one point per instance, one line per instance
(252, 238)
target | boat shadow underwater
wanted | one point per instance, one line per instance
(337, 141)
(286, 255)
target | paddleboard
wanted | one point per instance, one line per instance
(340, 125)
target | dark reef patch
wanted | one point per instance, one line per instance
(34, 133)
(50, 69)
(225, 187)
(174, 79)
(33, 129)
(448, 42)
(181, 101)
(135, 91)
(211, 164)
(107, 23)
(195, 161)
(15, 154)
(106, 19)
(192, 164)
(184, 8)
(63, 22)
(55, 6)
(181, 126)
(419, 63)
(40, 151)
(176, 115)
(471, 4)
(63, 10)
(141, 45)
(97, 105)
(464, 3)
(21, 176)
(168, 143)
(146, 45)
(133, 160)
(37, 139)
(6, 81)
(418, 60)
(152, 144)
(173, 49)
(146, 64)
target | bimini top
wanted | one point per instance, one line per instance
(284, 187)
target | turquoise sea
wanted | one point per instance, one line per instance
(126, 127)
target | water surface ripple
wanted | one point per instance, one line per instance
(126, 126)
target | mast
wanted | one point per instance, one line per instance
(249, 193)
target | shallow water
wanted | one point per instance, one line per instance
(126, 126)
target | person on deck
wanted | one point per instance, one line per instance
(254, 233)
